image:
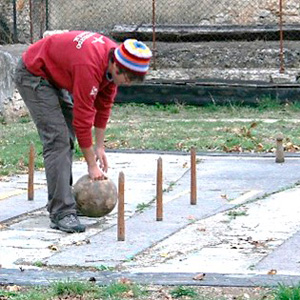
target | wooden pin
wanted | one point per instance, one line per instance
(279, 149)
(159, 191)
(193, 177)
(121, 218)
(31, 172)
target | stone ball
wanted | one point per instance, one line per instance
(95, 198)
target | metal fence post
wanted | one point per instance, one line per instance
(15, 37)
(281, 38)
(30, 18)
(47, 15)
(154, 34)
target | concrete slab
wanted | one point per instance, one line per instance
(43, 278)
(247, 242)
(247, 210)
(285, 258)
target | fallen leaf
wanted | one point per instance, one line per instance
(201, 229)
(272, 272)
(13, 288)
(164, 254)
(258, 244)
(225, 149)
(125, 280)
(179, 146)
(83, 242)
(259, 147)
(290, 147)
(53, 247)
(20, 5)
(199, 276)
(224, 196)
(129, 294)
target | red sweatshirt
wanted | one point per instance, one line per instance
(77, 61)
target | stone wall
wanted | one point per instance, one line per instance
(243, 61)
(11, 104)
(228, 60)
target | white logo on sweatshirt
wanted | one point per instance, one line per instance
(94, 91)
(82, 37)
(99, 39)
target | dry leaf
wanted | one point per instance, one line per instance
(224, 196)
(272, 272)
(258, 244)
(179, 146)
(259, 147)
(199, 276)
(125, 280)
(13, 288)
(166, 295)
(83, 242)
(129, 294)
(225, 149)
(53, 247)
(290, 147)
(201, 229)
(20, 5)
(164, 254)
(236, 149)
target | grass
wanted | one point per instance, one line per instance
(284, 292)
(181, 291)
(158, 127)
(175, 127)
(125, 289)
(234, 213)
(77, 290)
(142, 206)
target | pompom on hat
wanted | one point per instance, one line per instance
(134, 56)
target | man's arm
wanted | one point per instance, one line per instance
(94, 170)
(100, 149)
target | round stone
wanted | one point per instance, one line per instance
(95, 198)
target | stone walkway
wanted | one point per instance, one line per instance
(244, 228)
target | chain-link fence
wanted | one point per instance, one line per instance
(203, 26)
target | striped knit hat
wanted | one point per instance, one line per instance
(134, 56)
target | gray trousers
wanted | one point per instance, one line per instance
(51, 111)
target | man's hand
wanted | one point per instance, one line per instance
(101, 157)
(95, 172)
(96, 159)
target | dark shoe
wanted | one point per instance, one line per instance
(68, 223)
